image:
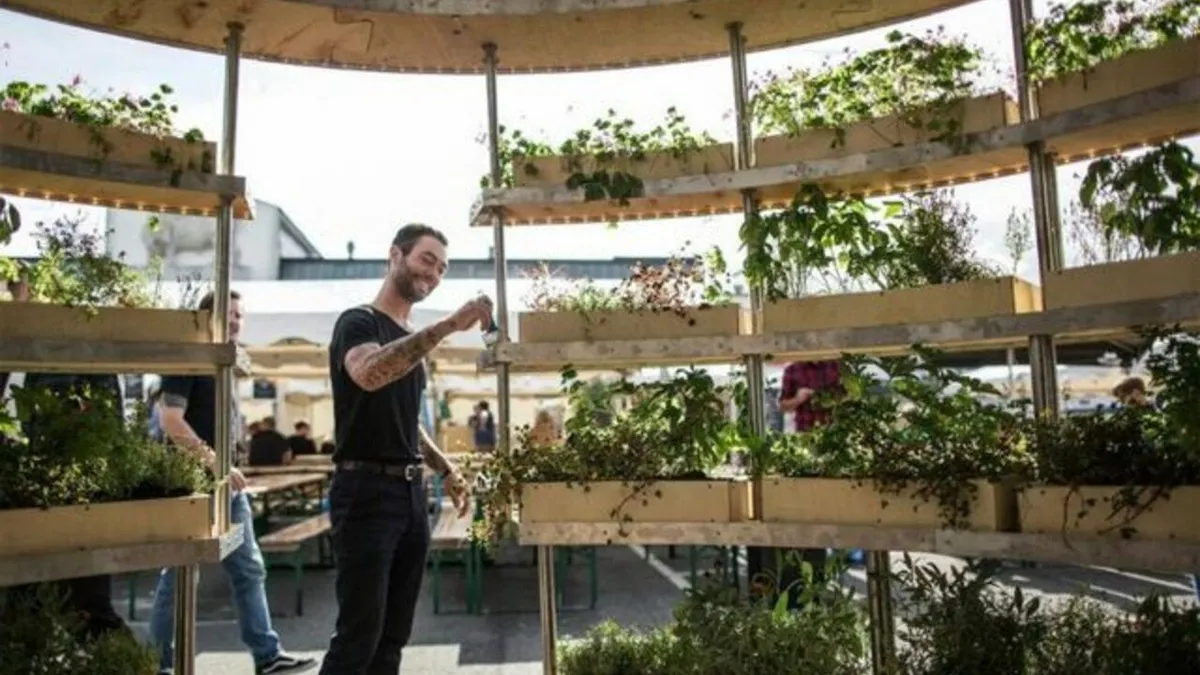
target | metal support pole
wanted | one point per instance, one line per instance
(879, 606)
(1043, 174)
(186, 580)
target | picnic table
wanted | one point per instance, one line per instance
(313, 460)
(287, 469)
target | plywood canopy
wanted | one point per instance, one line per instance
(447, 36)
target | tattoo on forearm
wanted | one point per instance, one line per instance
(394, 360)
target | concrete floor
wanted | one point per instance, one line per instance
(506, 639)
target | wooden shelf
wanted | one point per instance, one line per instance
(74, 356)
(32, 174)
(117, 560)
(1119, 124)
(446, 36)
(1158, 556)
(1071, 325)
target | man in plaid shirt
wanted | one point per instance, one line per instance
(802, 382)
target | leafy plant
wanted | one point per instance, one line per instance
(152, 114)
(919, 429)
(1078, 35)
(919, 78)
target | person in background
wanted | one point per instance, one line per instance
(268, 447)
(327, 448)
(1131, 392)
(189, 418)
(485, 427)
(301, 442)
(545, 430)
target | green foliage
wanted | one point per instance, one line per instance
(916, 77)
(1153, 199)
(1076, 36)
(913, 241)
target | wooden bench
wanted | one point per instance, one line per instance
(453, 534)
(288, 543)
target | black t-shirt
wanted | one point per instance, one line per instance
(377, 425)
(201, 394)
(267, 448)
(301, 445)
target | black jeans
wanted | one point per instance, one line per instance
(380, 539)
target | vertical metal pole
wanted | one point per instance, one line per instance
(879, 606)
(1043, 175)
(186, 580)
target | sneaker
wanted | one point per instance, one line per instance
(284, 663)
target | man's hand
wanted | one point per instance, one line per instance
(477, 311)
(456, 487)
(236, 480)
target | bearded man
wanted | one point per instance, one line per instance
(377, 501)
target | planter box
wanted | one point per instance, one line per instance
(928, 304)
(1087, 510)
(117, 324)
(76, 528)
(973, 115)
(1126, 75)
(626, 325)
(554, 171)
(833, 501)
(668, 501)
(47, 134)
(1126, 281)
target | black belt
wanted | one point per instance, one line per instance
(405, 471)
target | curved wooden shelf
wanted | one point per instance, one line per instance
(1158, 556)
(1138, 119)
(32, 174)
(1071, 325)
(446, 36)
(117, 560)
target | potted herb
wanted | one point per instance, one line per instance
(126, 129)
(908, 444)
(1151, 201)
(917, 88)
(630, 453)
(683, 298)
(906, 261)
(611, 159)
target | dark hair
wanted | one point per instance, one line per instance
(1129, 386)
(206, 303)
(483, 405)
(408, 236)
(300, 425)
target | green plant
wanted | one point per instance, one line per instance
(919, 78)
(1078, 35)
(152, 114)
(917, 428)
(1153, 199)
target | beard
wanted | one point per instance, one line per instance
(406, 287)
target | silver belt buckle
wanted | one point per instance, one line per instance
(412, 472)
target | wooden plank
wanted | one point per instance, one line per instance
(74, 356)
(1120, 123)
(450, 531)
(32, 174)
(1158, 556)
(287, 469)
(293, 536)
(260, 485)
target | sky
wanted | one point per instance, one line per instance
(351, 155)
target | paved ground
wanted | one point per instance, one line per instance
(506, 640)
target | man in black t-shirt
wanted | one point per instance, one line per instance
(268, 447)
(377, 500)
(189, 419)
(301, 442)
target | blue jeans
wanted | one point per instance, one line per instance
(247, 576)
(380, 538)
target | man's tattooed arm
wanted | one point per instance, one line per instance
(434, 458)
(173, 406)
(373, 366)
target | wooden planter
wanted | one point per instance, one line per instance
(668, 501)
(972, 115)
(117, 324)
(630, 325)
(1134, 72)
(76, 528)
(47, 134)
(832, 501)
(1003, 296)
(555, 170)
(1047, 509)
(1127, 281)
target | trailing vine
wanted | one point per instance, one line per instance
(676, 429)
(152, 114)
(591, 154)
(849, 243)
(918, 77)
(1077, 36)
